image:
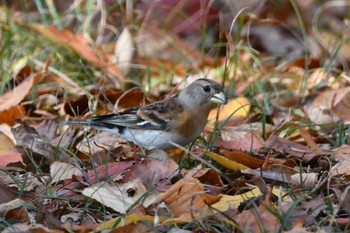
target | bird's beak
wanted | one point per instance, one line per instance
(219, 98)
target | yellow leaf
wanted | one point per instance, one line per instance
(236, 108)
(227, 163)
(123, 221)
(229, 202)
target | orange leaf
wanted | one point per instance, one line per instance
(80, 45)
(15, 96)
(10, 115)
(8, 158)
(242, 158)
(187, 199)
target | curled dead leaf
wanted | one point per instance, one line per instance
(16, 95)
(307, 180)
(187, 200)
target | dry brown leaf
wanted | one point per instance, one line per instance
(61, 171)
(329, 106)
(100, 142)
(27, 138)
(246, 141)
(292, 149)
(261, 219)
(153, 173)
(301, 229)
(156, 42)
(7, 155)
(188, 200)
(26, 182)
(38, 228)
(210, 177)
(15, 211)
(242, 158)
(305, 133)
(341, 168)
(80, 45)
(112, 171)
(306, 180)
(6, 144)
(10, 115)
(305, 213)
(342, 108)
(16, 95)
(274, 172)
(7, 194)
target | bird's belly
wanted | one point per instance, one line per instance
(155, 139)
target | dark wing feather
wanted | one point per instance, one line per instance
(156, 116)
(136, 118)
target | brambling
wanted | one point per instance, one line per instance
(177, 120)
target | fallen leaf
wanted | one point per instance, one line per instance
(37, 228)
(153, 173)
(260, 219)
(187, 200)
(7, 194)
(124, 51)
(7, 155)
(307, 211)
(236, 139)
(305, 180)
(120, 197)
(329, 107)
(242, 158)
(10, 115)
(100, 142)
(6, 144)
(292, 149)
(234, 110)
(11, 157)
(27, 181)
(112, 171)
(125, 221)
(15, 211)
(274, 172)
(342, 108)
(275, 39)
(80, 45)
(27, 137)
(16, 95)
(341, 168)
(61, 171)
(233, 201)
(225, 162)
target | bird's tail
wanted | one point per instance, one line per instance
(77, 123)
(99, 125)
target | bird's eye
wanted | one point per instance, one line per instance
(206, 88)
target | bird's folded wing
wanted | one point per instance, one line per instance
(133, 119)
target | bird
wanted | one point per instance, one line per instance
(177, 120)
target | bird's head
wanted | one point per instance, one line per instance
(203, 92)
